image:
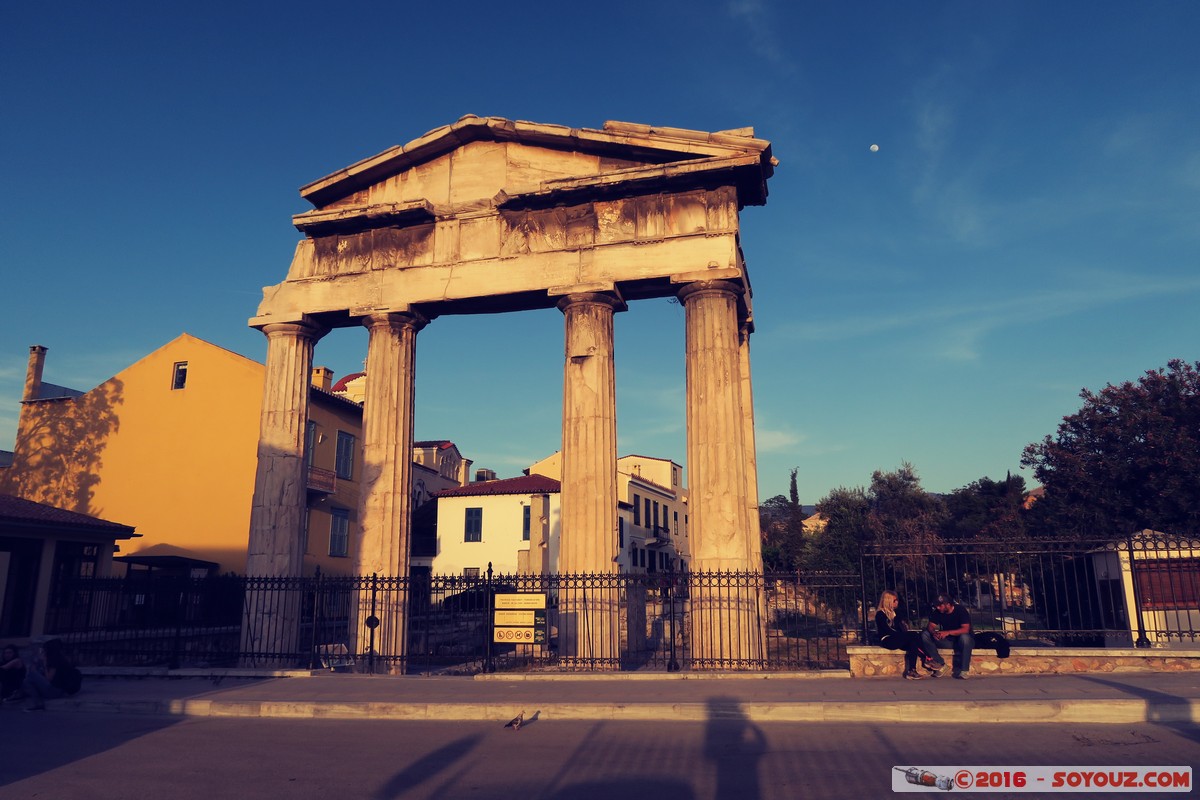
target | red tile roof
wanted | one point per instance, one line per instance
(17, 511)
(340, 386)
(526, 484)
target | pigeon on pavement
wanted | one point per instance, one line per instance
(515, 722)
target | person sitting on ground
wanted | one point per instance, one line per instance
(52, 676)
(895, 635)
(950, 627)
(12, 671)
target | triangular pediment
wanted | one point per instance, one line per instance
(478, 159)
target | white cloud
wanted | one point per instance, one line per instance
(773, 441)
(761, 23)
(1189, 174)
(960, 325)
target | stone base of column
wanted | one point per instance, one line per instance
(589, 624)
(271, 625)
(379, 627)
(727, 620)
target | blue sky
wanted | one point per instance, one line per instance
(1029, 226)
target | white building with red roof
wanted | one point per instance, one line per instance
(514, 524)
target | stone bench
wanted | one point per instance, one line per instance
(872, 660)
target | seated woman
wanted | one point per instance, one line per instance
(12, 671)
(52, 675)
(895, 635)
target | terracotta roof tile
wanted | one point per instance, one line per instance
(340, 386)
(525, 484)
(26, 512)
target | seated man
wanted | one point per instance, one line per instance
(950, 627)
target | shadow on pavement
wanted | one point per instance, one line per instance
(42, 741)
(734, 745)
(657, 788)
(1189, 729)
(427, 767)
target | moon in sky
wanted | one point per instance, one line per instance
(874, 148)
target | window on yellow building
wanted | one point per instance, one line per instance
(179, 375)
(344, 464)
(339, 532)
(473, 525)
(310, 442)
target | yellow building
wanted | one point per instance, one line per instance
(169, 445)
(652, 512)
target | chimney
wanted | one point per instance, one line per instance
(33, 373)
(322, 378)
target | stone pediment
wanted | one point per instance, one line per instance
(490, 215)
(481, 163)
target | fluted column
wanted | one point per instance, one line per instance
(385, 499)
(385, 507)
(588, 538)
(747, 399)
(270, 628)
(726, 620)
(277, 510)
(716, 449)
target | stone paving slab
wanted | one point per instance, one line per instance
(1107, 698)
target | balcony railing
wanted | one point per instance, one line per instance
(322, 480)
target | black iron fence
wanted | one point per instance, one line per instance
(1143, 590)
(449, 624)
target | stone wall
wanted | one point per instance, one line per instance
(869, 661)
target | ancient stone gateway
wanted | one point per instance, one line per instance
(491, 215)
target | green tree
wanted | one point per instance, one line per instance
(902, 512)
(834, 545)
(986, 509)
(782, 522)
(1129, 459)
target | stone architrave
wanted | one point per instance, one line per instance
(588, 544)
(726, 626)
(280, 483)
(494, 215)
(385, 512)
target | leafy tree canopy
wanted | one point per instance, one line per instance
(782, 522)
(986, 509)
(893, 509)
(1129, 459)
(835, 545)
(902, 511)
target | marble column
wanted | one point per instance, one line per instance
(726, 620)
(280, 483)
(588, 538)
(747, 398)
(271, 627)
(385, 502)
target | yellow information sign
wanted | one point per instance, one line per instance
(520, 618)
(519, 635)
(521, 600)
(523, 617)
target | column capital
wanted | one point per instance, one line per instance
(700, 288)
(302, 329)
(396, 320)
(610, 299)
